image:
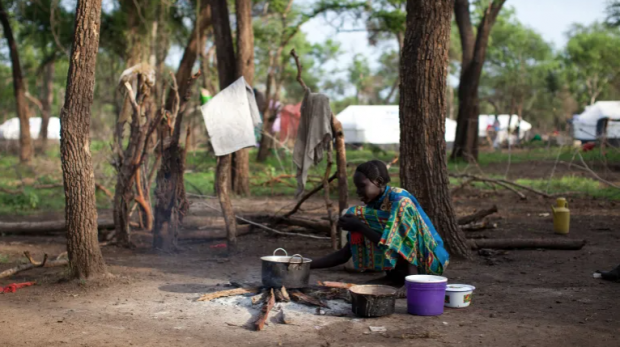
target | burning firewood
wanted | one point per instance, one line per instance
(264, 313)
(340, 285)
(302, 298)
(281, 296)
(259, 297)
(229, 292)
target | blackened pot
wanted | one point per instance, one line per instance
(372, 300)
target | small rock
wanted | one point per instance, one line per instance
(492, 315)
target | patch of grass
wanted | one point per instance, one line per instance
(4, 259)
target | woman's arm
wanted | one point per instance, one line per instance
(337, 258)
(350, 222)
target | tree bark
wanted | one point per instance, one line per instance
(47, 98)
(474, 53)
(19, 90)
(245, 68)
(423, 71)
(226, 68)
(194, 46)
(341, 165)
(83, 249)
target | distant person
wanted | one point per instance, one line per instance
(389, 233)
(496, 127)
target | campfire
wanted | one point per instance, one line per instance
(313, 296)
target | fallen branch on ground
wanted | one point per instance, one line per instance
(226, 293)
(34, 264)
(45, 228)
(264, 312)
(461, 186)
(477, 216)
(302, 298)
(501, 182)
(559, 244)
(340, 285)
(477, 226)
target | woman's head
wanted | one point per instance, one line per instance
(370, 179)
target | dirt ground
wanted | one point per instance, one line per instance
(523, 297)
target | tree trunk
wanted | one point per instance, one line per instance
(245, 68)
(474, 53)
(423, 71)
(341, 165)
(19, 90)
(226, 68)
(271, 112)
(83, 249)
(194, 46)
(47, 98)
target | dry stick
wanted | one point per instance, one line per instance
(461, 186)
(34, 264)
(594, 173)
(521, 195)
(226, 293)
(268, 228)
(105, 190)
(264, 313)
(499, 180)
(554, 167)
(477, 216)
(341, 164)
(307, 196)
(328, 203)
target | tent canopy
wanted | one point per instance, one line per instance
(377, 124)
(585, 124)
(485, 120)
(9, 130)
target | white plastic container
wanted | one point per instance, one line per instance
(458, 295)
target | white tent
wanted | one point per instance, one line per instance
(584, 125)
(9, 130)
(377, 125)
(485, 120)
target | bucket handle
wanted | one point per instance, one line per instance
(280, 249)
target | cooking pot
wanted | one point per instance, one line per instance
(285, 271)
(372, 300)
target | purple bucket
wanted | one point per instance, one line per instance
(425, 294)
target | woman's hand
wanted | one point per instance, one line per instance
(349, 222)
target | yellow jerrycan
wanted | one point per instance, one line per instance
(561, 216)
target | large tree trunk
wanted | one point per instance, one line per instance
(226, 68)
(474, 53)
(423, 71)
(19, 89)
(79, 178)
(47, 97)
(245, 68)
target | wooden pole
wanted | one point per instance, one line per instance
(341, 165)
(222, 178)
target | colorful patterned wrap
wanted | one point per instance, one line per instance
(406, 231)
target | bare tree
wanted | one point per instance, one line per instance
(423, 71)
(19, 89)
(245, 68)
(79, 178)
(474, 49)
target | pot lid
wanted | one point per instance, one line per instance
(425, 279)
(459, 288)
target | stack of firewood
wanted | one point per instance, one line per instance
(268, 297)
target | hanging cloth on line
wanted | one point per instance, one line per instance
(230, 117)
(313, 135)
